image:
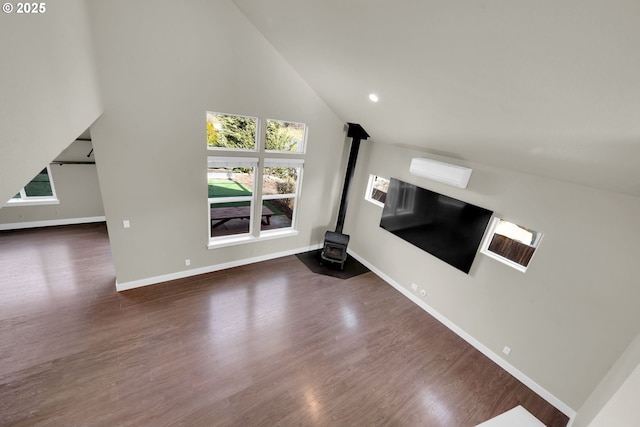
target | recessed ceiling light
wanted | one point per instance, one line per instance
(373, 97)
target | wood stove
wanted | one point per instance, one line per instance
(336, 242)
(335, 247)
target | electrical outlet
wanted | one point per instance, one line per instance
(187, 262)
(506, 350)
(414, 287)
(126, 223)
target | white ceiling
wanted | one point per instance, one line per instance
(547, 87)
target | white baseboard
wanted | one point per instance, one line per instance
(538, 389)
(51, 223)
(209, 269)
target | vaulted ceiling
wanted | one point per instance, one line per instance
(547, 87)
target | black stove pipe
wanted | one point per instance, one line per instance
(357, 133)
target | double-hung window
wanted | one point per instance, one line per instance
(280, 179)
(231, 184)
(254, 178)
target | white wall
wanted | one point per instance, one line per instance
(48, 88)
(600, 402)
(569, 317)
(162, 65)
(622, 410)
(77, 189)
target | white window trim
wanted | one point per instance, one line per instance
(288, 163)
(231, 162)
(220, 200)
(32, 201)
(271, 162)
(279, 196)
(257, 138)
(232, 150)
(484, 248)
(367, 194)
(225, 241)
(288, 153)
(36, 200)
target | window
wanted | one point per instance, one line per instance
(511, 244)
(228, 131)
(279, 192)
(285, 137)
(39, 191)
(252, 196)
(377, 190)
(231, 186)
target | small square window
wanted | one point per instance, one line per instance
(511, 244)
(231, 132)
(377, 190)
(285, 137)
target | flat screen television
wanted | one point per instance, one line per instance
(447, 228)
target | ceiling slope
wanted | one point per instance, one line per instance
(548, 88)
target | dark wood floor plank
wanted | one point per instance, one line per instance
(267, 344)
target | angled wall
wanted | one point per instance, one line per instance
(622, 409)
(48, 87)
(613, 402)
(161, 67)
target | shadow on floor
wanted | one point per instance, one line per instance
(312, 260)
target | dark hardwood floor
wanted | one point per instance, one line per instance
(268, 344)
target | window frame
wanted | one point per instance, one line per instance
(281, 152)
(270, 162)
(491, 232)
(264, 158)
(256, 146)
(26, 200)
(370, 187)
(244, 162)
